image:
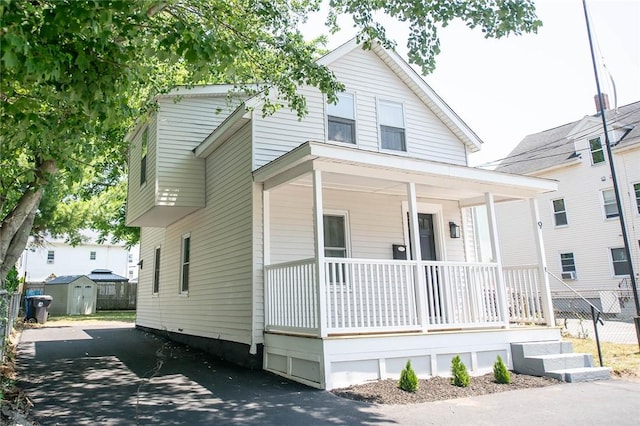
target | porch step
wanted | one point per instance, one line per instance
(555, 359)
(584, 374)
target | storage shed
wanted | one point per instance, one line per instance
(72, 295)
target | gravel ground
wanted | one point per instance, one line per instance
(438, 388)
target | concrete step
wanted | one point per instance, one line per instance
(527, 349)
(584, 374)
(551, 362)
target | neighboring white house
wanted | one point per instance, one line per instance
(329, 249)
(580, 222)
(54, 257)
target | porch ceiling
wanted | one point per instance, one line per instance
(351, 169)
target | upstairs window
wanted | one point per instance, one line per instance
(143, 156)
(92, 255)
(559, 212)
(51, 256)
(597, 154)
(184, 265)
(619, 262)
(609, 203)
(341, 119)
(636, 189)
(391, 116)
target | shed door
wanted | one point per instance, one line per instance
(82, 299)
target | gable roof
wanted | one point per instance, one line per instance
(417, 84)
(64, 279)
(555, 147)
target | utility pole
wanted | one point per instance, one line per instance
(623, 226)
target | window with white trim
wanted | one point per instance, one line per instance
(597, 153)
(636, 190)
(92, 255)
(185, 257)
(335, 245)
(156, 271)
(559, 212)
(341, 119)
(51, 256)
(568, 263)
(391, 118)
(609, 204)
(619, 262)
(143, 156)
(130, 257)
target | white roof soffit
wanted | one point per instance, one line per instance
(420, 87)
(336, 159)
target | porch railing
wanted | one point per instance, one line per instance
(524, 296)
(367, 295)
(291, 297)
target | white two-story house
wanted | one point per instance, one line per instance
(581, 221)
(329, 249)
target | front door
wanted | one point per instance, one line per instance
(427, 236)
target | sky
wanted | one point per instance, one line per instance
(508, 88)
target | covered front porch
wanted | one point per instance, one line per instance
(362, 245)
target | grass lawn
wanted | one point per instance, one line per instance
(623, 359)
(126, 316)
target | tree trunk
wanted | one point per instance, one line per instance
(16, 226)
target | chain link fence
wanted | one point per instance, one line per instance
(9, 308)
(618, 309)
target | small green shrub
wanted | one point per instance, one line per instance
(408, 379)
(459, 371)
(500, 372)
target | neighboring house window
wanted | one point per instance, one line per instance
(92, 255)
(143, 154)
(597, 154)
(559, 212)
(51, 256)
(568, 263)
(130, 257)
(609, 203)
(156, 271)
(391, 116)
(636, 189)
(341, 119)
(619, 262)
(130, 274)
(184, 265)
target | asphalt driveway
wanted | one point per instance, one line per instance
(114, 374)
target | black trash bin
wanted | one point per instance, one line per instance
(38, 308)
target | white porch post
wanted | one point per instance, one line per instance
(547, 302)
(416, 252)
(497, 257)
(318, 230)
(266, 228)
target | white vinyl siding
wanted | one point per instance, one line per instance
(219, 305)
(589, 236)
(141, 198)
(369, 78)
(375, 223)
(365, 74)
